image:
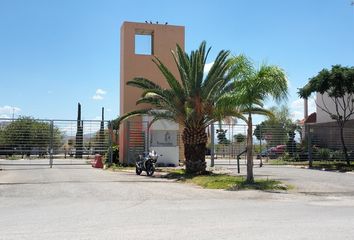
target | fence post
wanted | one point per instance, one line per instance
(212, 145)
(51, 144)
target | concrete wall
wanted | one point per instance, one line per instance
(325, 101)
(164, 39)
(327, 135)
(169, 151)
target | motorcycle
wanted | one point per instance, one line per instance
(146, 163)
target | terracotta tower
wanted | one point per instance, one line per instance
(162, 39)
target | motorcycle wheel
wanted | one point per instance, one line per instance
(150, 170)
(138, 171)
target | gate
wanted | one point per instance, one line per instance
(27, 141)
(227, 142)
(137, 139)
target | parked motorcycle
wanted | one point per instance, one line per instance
(146, 163)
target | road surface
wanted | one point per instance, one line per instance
(78, 202)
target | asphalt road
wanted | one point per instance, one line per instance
(78, 202)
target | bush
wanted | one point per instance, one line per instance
(338, 155)
(115, 155)
(287, 158)
(324, 154)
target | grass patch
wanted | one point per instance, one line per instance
(332, 166)
(119, 167)
(280, 161)
(227, 182)
(14, 157)
(321, 165)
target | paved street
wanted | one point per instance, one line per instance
(78, 202)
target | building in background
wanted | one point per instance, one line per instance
(323, 129)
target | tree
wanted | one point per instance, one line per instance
(27, 136)
(251, 88)
(79, 143)
(239, 138)
(275, 128)
(221, 135)
(338, 83)
(101, 135)
(192, 100)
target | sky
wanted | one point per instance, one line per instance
(54, 54)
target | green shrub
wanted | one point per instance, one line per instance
(324, 154)
(338, 155)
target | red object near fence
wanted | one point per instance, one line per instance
(97, 161)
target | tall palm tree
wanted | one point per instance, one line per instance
(191, 101)
(251, 88)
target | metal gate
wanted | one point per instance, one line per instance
(227, 142)
(28, 141)
(137, 139)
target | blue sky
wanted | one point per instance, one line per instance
(54, 54)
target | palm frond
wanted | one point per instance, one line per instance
(261, 111)
(143, 83)
(131, 114)
(170, 78)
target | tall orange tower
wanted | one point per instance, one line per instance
(162, 39)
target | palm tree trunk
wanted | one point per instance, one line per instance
(250, 178)
(194, 150)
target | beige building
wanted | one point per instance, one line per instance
(324, 130)
(160, 40)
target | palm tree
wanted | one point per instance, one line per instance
(251, 88)
(192, 100)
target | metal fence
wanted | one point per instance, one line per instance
(324, 141)
(228, 142)
(40, 141)
(313, 142)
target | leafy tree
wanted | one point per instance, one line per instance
(27, 135)
(192, 100)
(275, 128)
(252, 87)
(113, 127)
(239, 138)
(338, 83)
(291, 144)
(221, 135)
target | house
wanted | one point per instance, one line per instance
(323, 128)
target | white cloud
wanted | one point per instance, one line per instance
(109, 110)
(207, 67)
(298, 103)
(97, 97)
(297, 108)
(99, 94)
(8, 111)
(100, 91)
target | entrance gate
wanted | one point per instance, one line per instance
(27, 141)
(137, 139)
